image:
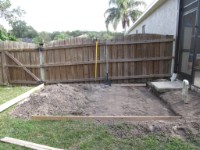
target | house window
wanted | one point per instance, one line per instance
(143, 29)
(136, 31)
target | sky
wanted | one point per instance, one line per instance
(64, 15)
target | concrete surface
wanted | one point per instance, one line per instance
(167, 86)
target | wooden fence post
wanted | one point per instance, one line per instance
(1, 70)
(4, 68)
(42, 72)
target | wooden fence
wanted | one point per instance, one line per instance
(134, 58)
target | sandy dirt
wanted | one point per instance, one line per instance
(177, 102)
(184, 129)
(91, 99)
(116, 100)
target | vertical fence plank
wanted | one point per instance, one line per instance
(114, 56)
(91, 58)
(57, 61)
(68, 59)
(1, 69)
(4, 69)
(62, 68)
(42, 71)
(85, 59)
(120, 56)
(101, 65)
(125, 51)
(132, 56)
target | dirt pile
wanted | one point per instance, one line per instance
(53, 100)
(93, 100)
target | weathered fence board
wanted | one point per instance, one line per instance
(1, 69)
(134, 58)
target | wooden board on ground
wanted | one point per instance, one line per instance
(19, 98)
(107, 118)
(130, 85)
(27, 144)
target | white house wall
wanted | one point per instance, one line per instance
(162, 21)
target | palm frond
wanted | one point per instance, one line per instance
(135, 14)
(135, 3)
(112, 14)
(111, 11)
(116, 20)
(112, 2)
(122, 10)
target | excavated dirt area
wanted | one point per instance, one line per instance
(92, 99)
(184, 129)
(183, 105)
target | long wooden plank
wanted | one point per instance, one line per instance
(112, 78)
(112, 60)
(20, 64)
(23, 82)
(91, 62)
(19, 98)
(129, 85)
(104, 118)
(27, 144)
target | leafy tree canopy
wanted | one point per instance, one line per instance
(47, 37)
(9, 13)
(43, 37)
(4, 36)
(21, 30)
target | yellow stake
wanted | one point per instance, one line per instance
(96, 61)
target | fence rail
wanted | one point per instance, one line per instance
(134, 58)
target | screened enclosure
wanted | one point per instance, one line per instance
(189, 41)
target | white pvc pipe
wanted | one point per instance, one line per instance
(173, 77)
(185, 90)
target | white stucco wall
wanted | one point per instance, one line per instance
(162, 21)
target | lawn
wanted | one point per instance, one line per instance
(7, 92)
(85, 135)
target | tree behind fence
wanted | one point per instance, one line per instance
(134, 58)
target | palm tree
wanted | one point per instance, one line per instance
(123, 10)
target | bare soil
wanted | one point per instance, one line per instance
(91, 99)
(186, 128)
(187, 106)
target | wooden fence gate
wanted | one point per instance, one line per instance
(134, 58)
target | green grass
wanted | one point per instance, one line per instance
(86, 135)
(7, 93)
